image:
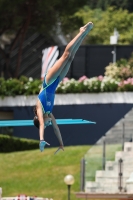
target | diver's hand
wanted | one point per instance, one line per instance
(60, 148)
(42, 145)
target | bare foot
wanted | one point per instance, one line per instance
(87, 27)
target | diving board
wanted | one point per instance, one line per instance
(5, 123)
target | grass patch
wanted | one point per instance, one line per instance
(41, 174)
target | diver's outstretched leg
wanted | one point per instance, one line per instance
(68, 64)
(73, 52)
(68, 54)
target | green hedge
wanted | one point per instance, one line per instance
(117, 77)
(21, 86)
(11, 144)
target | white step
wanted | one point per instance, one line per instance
(101, 189)
(0, 192)
(128, 146)
(125, 156)
(109, 181)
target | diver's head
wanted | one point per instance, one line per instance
(46, 118)
(36, 122)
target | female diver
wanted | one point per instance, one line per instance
(44, 105)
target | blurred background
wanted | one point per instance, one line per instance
(98, 88)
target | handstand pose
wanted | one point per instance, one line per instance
(44, 105)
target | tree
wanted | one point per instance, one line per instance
(105, 22)
(19, 17)
(124, 4)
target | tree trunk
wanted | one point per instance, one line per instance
(7, 55)
(25, 28)
(6, 58)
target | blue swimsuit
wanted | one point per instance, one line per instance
(47, 95)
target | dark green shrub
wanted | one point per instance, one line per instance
(11, 144)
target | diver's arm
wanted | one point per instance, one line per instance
(41, 121)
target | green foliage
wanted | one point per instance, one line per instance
(112, 71)
(71, 85)
(21, 86)
(126, 85)
(11, 144)
(21, 17)
(42, 16)
(109, 85)
(13, 87)
(88, 85)
(121, 62)
(122, 69)
(94, 85)
(118, 77)
(33, 87)
(130, 61)
(23, 79)
(2, 87)
(124, 4)
(105, 22)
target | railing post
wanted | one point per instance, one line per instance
(82, 174)
(120, 174)
(123, 134)
(104, 153)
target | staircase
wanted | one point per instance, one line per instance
(110, 180)
(0, 192)
(122, 129)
